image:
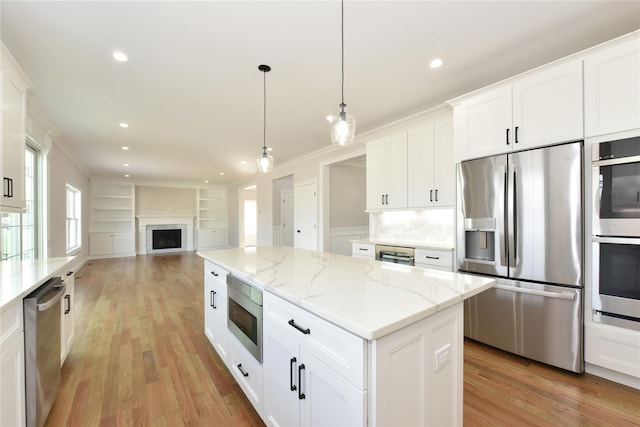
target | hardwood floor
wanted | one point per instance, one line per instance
(140, 357)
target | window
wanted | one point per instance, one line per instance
(10, 236)
(74, 209)
(30, 217)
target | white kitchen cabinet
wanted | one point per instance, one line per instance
(13, 125)
(542, 108)
(111, 244)
(612, 89)
(247, 371)
(213, 238)
(314, 371)
(417, 373)
(387, 172)
(434, 259)
(12, 371)
(67, 320)
(613, 348)
(363, 250)
(430, 168)
(215, 309)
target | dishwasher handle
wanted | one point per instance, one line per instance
(53, 300)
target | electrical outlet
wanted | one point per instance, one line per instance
(442, 357)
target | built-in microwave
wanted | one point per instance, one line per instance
(244, 316)
(616, 188)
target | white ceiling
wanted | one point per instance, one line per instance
(193, 96)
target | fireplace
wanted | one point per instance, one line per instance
(166, 239)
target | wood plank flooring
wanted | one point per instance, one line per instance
(140, 358)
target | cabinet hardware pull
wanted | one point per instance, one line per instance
(300, 393)
(382, 199)
(69, 273)
(244, 374)
(10, 187)
(292, 363)
(432, 257)
(436, 195)
(212, 300)
(214, 273)
(516, 136)
(68, 301)
(386, 199)
(306, 331)
(431, 195)
(507, 136)
(363, 249)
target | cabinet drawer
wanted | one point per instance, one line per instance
(434, 257)
(337, 348)
(217, 273)
(248, 372)
(11, 322)
(363, 250)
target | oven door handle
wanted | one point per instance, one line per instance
(616, 240)
(614, 162)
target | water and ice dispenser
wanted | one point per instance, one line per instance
(480, 239)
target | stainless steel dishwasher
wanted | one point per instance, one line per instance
(42, 349)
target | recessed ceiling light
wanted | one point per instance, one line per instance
(124, 147)
(120, 56)
(206, 181)
(127, 176)
(244, 162)
(221, 173)
(436, 63)
(126, 165)
(124, 125)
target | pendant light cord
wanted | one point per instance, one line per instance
(342, 43)
(264, 110)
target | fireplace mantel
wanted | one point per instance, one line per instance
(186, 221)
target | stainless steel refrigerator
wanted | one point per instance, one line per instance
(520, 219)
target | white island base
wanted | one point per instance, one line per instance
(346, 342)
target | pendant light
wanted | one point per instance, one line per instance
(343, 127)
(265, 160)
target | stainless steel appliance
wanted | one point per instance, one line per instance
(520, 220)
(244, 318)
(42, 349)
(616, 188)
(395, 254)
(616, 232)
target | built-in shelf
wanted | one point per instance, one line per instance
(213, 228)
(112, 219)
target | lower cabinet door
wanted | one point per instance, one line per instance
(12, 406)
(329, 398)
(281, 368)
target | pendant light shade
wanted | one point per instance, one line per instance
(265, 160)
(343, 126)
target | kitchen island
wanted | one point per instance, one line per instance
(344, 340)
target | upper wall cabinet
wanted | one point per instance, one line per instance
(431, 169)
(542, 108)
(13, 123)
(387, 172)
(612, 90)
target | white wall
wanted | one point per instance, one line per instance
(64, 170)
(152, 200)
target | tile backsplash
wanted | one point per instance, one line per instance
(429, 226)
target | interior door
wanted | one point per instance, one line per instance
(286, 217)
(306, 216)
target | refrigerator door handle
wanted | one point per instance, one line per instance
(514, 206)
(505, 215)
(511, 214)
(548, 294)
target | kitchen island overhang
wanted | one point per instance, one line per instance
(391, 314)
(367, 298)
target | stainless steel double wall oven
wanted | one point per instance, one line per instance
(616, 232)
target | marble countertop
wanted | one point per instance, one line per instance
(418, 244)
(368, 298)
(19, 278)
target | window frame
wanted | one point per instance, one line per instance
(73, 220)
